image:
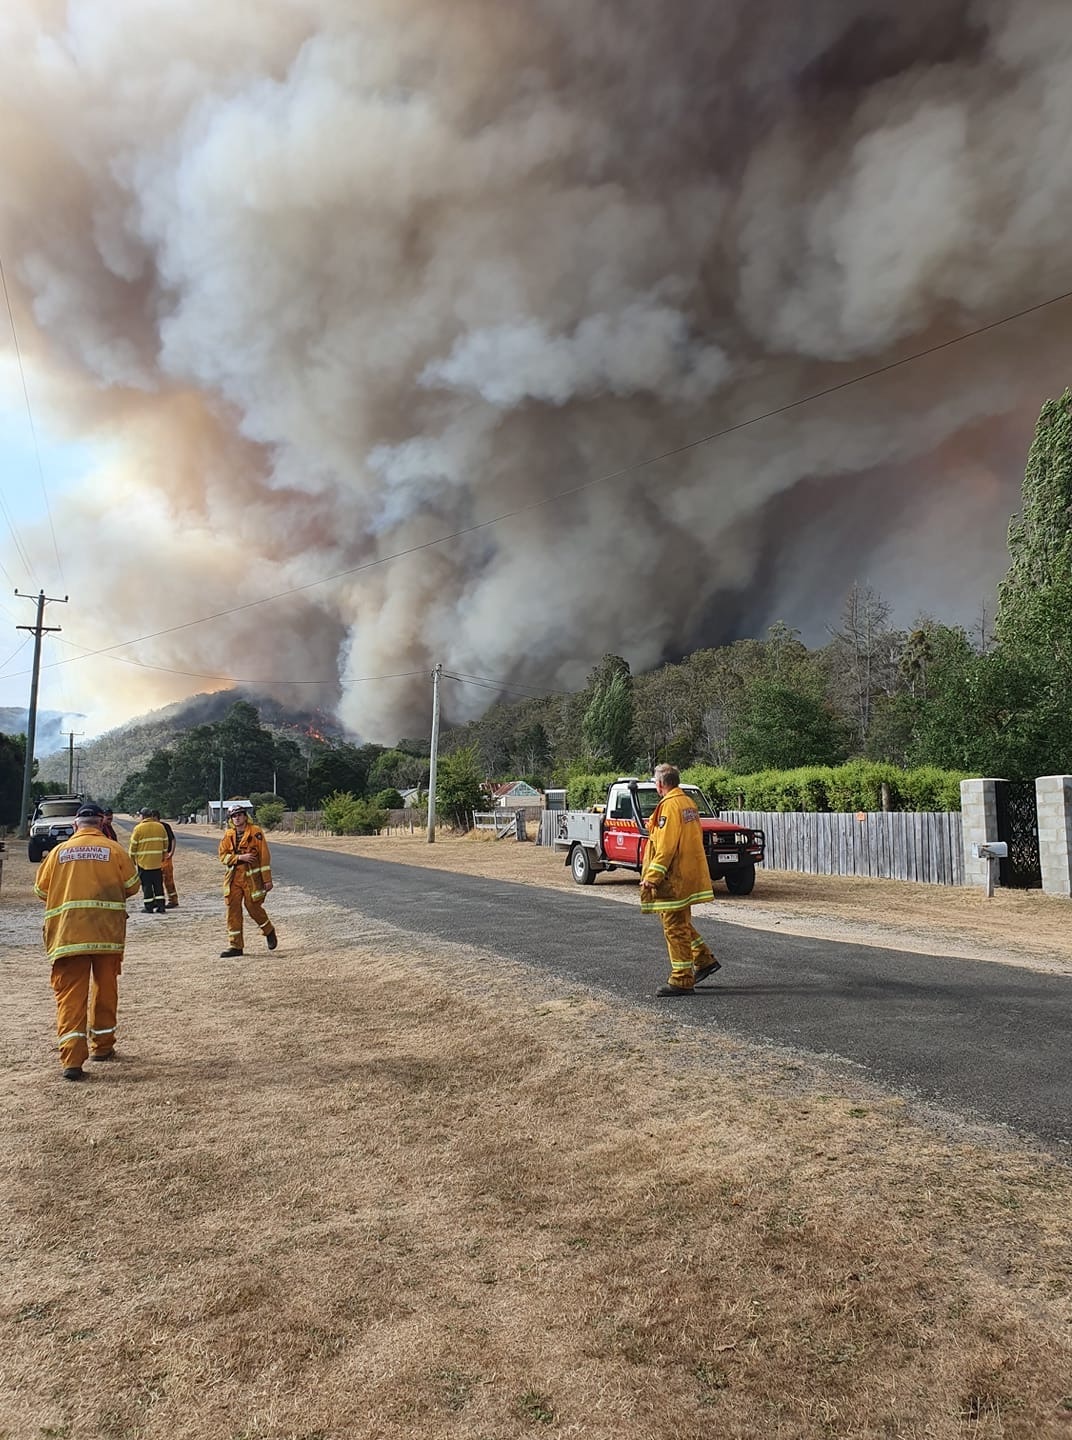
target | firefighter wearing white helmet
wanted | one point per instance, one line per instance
(244, 851)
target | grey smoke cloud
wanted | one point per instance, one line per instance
(340, 280)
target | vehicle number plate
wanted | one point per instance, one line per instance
(726, 859)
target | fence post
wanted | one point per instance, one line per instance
(979, 812)
(1054, 796)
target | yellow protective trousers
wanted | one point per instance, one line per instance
(167, 869)
(87, 997)
(240, 893)
(688, 951)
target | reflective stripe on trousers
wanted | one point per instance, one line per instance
(167, 870)
(87, 997)
(241, 893)
(685, 946)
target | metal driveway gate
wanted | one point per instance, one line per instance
(1017, 815)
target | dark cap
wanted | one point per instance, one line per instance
(89, 812)
(237, 810)
(146, 812)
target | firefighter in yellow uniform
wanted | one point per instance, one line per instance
(148, 846)
(85, 884)
(244, 851)
(674, 879)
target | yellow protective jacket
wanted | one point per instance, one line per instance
(259, 870)
(675, 862)
(148, 844)
(85, 883)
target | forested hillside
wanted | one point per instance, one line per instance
(104, 763)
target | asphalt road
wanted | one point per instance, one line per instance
(986, 1041)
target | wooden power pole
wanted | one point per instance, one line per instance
(36, 630)
(434, 754)
(70, 758)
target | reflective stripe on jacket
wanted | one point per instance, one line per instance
(675, 862)
(85, 883)
(148, 844)
(259, 870)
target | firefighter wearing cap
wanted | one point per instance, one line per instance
(148, 846)
(674, 879)
(244, 851)
(85, 883)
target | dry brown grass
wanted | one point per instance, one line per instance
(366, 1188)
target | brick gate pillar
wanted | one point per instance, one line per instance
(1054, 794)
(979, 815)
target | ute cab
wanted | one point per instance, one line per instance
(615, 838)
(52, 823)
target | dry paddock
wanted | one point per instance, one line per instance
(372, 1186)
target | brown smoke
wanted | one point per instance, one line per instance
(340, 280)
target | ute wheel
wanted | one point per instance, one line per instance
(741, 881)
(37, 853)
(581, 867)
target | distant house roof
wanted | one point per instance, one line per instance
(513, 787)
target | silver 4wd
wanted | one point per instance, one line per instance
(52, 823)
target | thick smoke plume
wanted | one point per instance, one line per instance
(338, 280)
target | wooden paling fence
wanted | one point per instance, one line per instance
(899, 845)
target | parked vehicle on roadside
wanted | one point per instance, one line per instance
(614, 838)
(51, 823)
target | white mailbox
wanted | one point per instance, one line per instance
(992, 850)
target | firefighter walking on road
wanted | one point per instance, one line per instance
(244, 851)
(675, 878)
(148, 846)
(85, 884)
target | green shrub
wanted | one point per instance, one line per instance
(388, 799)
(847, 788)
(716, 782)
(928, 788)
(270, 813)
(585, 791)
(344, 814)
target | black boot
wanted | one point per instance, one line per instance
(230, 953)
(272, 938)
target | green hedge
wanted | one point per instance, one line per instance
(344, 814)
(851, 787)
(584, 791)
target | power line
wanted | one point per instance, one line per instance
(232, 679)
(29, 416)
(485, 683)
(600, 479)
(17, 651)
